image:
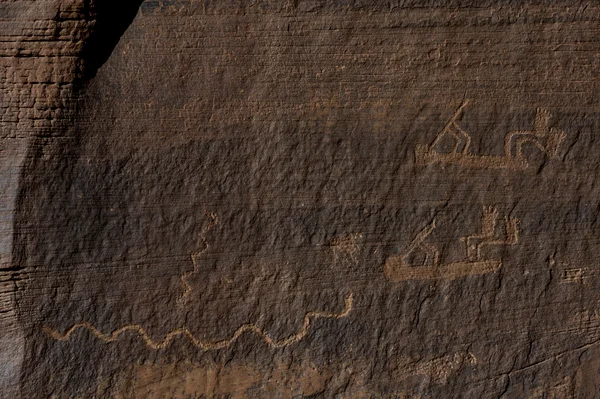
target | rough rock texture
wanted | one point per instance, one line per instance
(277, 199)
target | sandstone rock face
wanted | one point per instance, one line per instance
(286, 199)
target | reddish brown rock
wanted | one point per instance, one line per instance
(299, 199)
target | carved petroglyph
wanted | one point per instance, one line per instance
(187, 289)
(438, 370)
(341, 247)
(546, 139)
(577, 275)
(399, 267)
(201, 344)
(569, 274)
(476, 242)
(345, 248)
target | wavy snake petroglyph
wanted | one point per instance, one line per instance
(205, 345)
(199, 343)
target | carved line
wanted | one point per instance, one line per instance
(204, 345)
(187, 288)
(513, 158)
(489, 220)
(452, 123)
(398, 268)
(419, 243)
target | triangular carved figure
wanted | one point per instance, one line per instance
(400, 267)
(546, 139)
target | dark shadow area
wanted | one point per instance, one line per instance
(112, 18)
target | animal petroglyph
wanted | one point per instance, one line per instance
(345, 248)
(438, 370)
(544, 138)
(399, 267)
(201, 344)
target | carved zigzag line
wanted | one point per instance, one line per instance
(185, 276)
(204, 345)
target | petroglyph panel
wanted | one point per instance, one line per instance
(399, 267)
(288, 199)
(541, 137)
(198, 343)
